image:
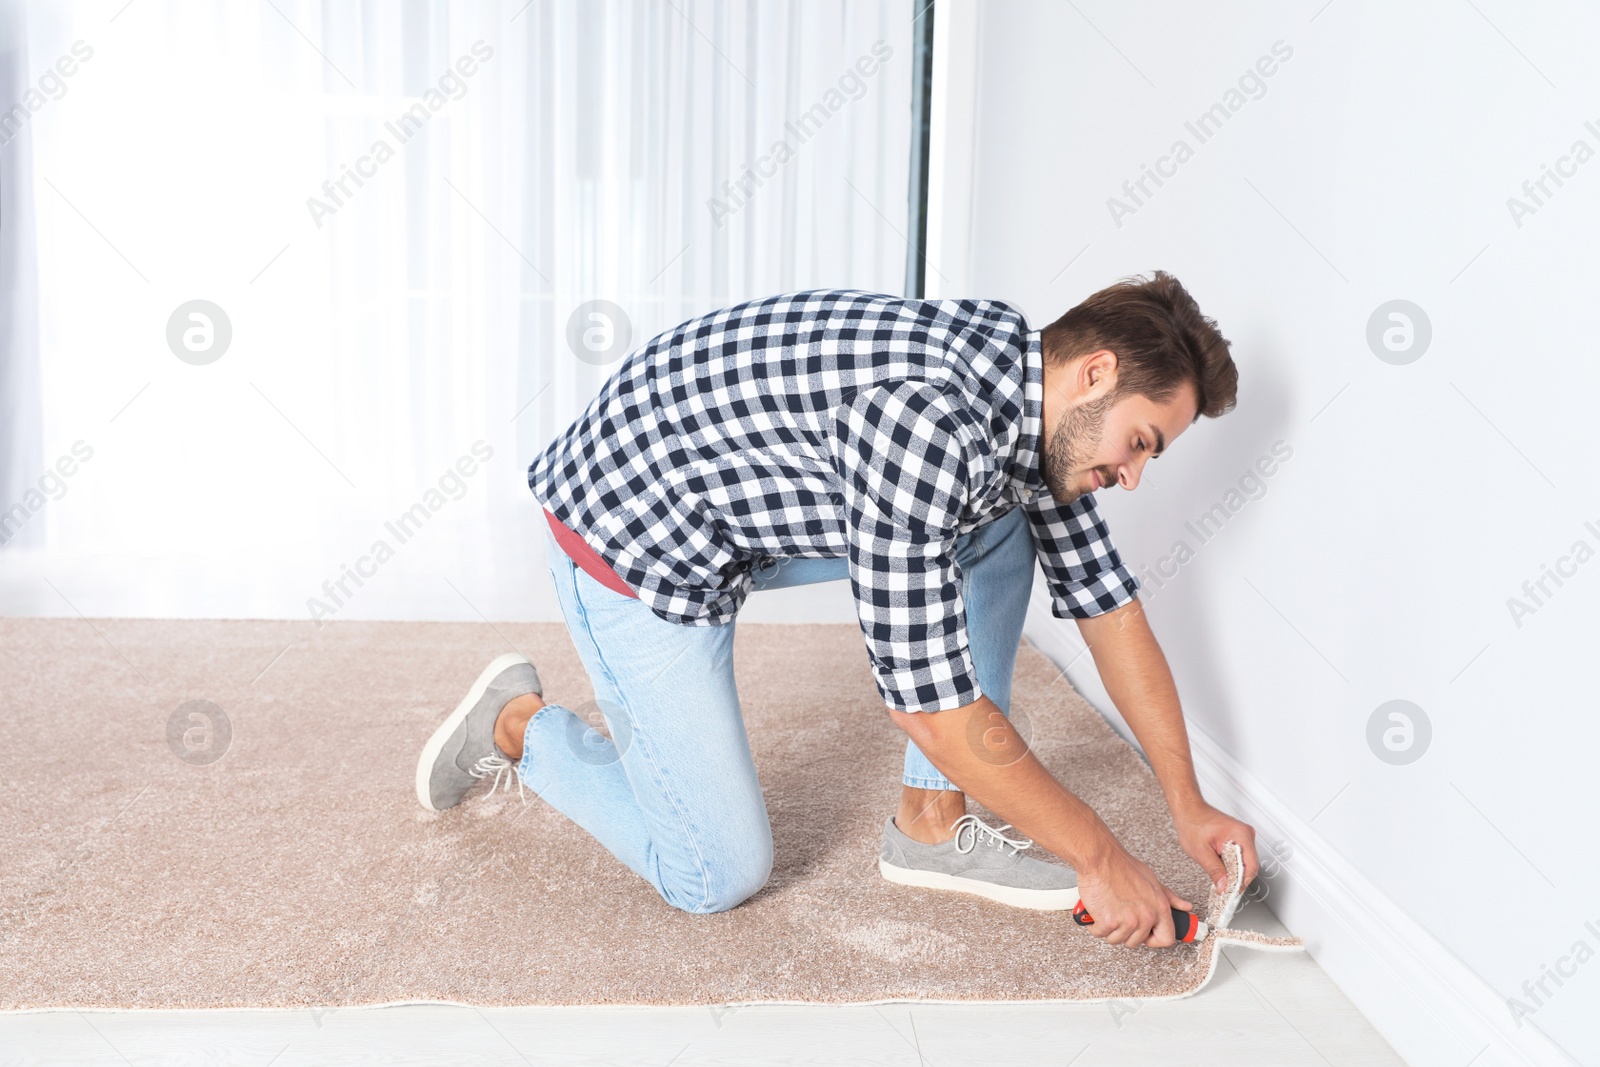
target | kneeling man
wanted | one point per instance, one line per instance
(928, 451)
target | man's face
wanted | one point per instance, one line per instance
(1106, 441)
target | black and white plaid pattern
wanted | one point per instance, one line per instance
(822, 424)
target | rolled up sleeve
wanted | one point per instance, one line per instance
(903, 454)
(1082, 569)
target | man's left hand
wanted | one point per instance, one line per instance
(1203, 830)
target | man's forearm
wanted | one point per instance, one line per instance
(979, 750)
(1136, 676)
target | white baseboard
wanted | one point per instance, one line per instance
(1420, 996)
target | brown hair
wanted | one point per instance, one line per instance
(1160, 338)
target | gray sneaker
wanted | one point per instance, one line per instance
(462, 751)
(979, 860)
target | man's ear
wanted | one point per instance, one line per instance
(1098, 371)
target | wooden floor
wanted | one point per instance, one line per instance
(1261, 1008)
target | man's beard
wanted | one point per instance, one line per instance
(1076, 438)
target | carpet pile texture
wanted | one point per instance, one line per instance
(157, 857)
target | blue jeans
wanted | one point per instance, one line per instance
(673, 793)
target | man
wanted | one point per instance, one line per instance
(928, 451)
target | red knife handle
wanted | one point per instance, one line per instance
(1184, 925)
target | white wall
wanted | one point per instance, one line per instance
(1376, 562)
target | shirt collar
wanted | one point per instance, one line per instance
(1026, 471)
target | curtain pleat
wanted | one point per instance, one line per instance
(615, 150)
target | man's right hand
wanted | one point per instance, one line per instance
(1129, 904)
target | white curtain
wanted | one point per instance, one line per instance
(399, 207)
(19, 351)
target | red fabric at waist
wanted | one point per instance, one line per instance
(587, 559)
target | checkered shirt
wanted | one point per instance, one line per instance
(823, 424)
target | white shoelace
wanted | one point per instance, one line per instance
(987, 835)
(499, 766)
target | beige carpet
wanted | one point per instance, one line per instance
(299, 870)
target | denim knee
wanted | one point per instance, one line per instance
(731, 880)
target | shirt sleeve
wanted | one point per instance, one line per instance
(903, 455)
(1082, 569)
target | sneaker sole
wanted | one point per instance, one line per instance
(1033, 899)
(435, 745)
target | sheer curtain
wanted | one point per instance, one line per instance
(20, 438)
(422, 227)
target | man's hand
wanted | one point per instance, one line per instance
(1129, 904)
(1203, 830)
(979, 750)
